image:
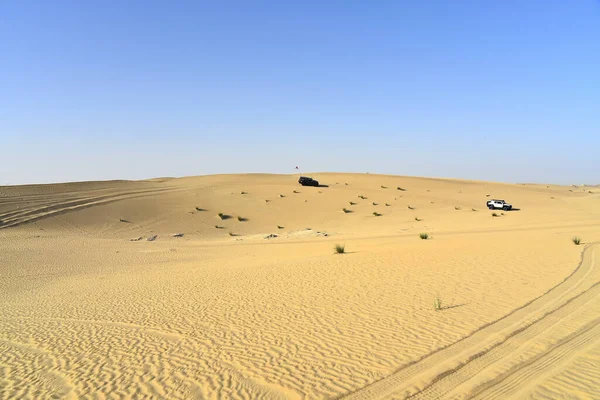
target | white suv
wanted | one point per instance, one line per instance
(499, 205)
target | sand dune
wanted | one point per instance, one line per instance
(260, 306)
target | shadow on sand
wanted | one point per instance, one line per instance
(454, 306)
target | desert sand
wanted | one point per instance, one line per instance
(139, 289)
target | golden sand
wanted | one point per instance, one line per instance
(262, 307)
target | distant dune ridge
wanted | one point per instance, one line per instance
(231, 286)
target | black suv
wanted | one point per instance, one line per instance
(306, 181)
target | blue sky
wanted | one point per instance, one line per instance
(492, 90)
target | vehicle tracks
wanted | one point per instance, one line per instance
(492, 361)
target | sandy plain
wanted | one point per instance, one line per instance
(260, 306)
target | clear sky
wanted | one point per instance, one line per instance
(494, 90)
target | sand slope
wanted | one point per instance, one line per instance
(90, 307)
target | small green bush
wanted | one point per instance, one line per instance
(340, 248)
(576, 240)
(424, 236)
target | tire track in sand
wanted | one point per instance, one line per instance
(439, 373)
(52, 208)
(543, 364)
